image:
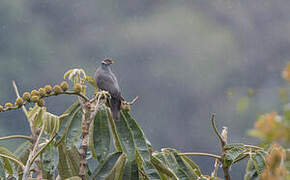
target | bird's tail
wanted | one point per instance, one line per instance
(115, 105)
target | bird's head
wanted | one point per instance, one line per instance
(107, 61)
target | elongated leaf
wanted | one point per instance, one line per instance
(150, 171)
(73, 157)
(32, 112)
(7, 166)
(117, 172)
(63, 166)
(2, 172)
(141, 146)
(233, 145)
(103, 170)
(139, 137)
(125, 136)
(68, 165)
(116, 138)
(259, 161)
(100, 135)
(183, 165)
(131, 170)
(251, 172)
(163, 169)
(6, 161)
(193, 165)
(66, 122)
(22, 152)
(74, 130)
(49, 161)
(232, 155)
(172, 164)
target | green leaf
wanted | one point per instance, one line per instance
(66, 122)
(233, 145)
(150, 171)
(32, 112)
(22, 152)
(104, 170)
(125, 136)
(100, 135)
(49, 161)
(251, 172)
(7, 166)
(2, 172)
(162, 168)
(117, 172)
(74, 130)
(131, 170)
(139, 137)
(192, 165)
(259, 161)
(68, 165)
(232, 155)
(183, 165)
(172, 164)
(116, 138)
(6, 161)
(141, 147)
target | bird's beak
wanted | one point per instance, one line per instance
(112, 62)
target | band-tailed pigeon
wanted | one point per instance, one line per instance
(107, 81)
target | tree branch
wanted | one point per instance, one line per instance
(16, 136)
(201, 154)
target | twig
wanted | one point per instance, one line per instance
(16, 136)
(29, 162)
(216, 166)
(223, 141)
(17, 94)
(215, 129)
(41, 149)
(201, 154)
(133, 101)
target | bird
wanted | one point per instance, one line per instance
(106, 80)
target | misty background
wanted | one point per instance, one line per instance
(185, 59)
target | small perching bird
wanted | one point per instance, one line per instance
(107, 81)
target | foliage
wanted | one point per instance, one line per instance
(274, 131)
(60, 145)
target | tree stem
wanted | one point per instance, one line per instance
(201, 154)
(16, 136)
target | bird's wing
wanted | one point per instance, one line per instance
(108, 83)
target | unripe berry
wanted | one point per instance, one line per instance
(77, 87)
(35, 99)
(34, 93)
(48, 89)
(8, 105)
(64, 85)
(26, 96)
(41, 103)
(19, 102)
(41, 92)
(57, 89)
(1, 108)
